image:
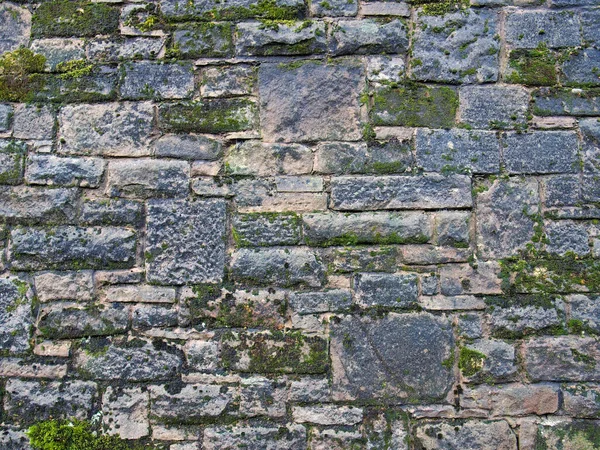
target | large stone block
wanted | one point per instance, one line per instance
(528, 29)
(55, 171)
(513, 399)
(310, 101)
(300, 38)
(267, 229)
(470, 434)
(125, 412)
(232, 10)
(386, 290)
(59, 322)
(493, 106)
(585, 313)
(560, 102)
(485, 360)
(399, 358)
(15, 27)
(560, 434)
(582, 68)
(260, 159)
(24, 204)
(291, 437)
(187, 146)
(16, 317)
(541, 152)
(150, 80)
(185, 241)
(368, 36)
(77, 286)
(74, 18)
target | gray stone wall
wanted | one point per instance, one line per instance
(270, 224)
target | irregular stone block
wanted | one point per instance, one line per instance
(585, 313)
(582, 68)
(300, 38)
(138, 294)
(512, 400)
(257, 158)
(210, 116)
(485, 360)
(56, 171)
(190, 403)
(581, 400)
(58, 51)
(493, 106)
(145, 178)
(153, 316)
(457, 150)
(112, 211)
(149, 80)
(99, 85)
(368, 36)
(202, 355)
(125, 412)
(452, 228)
(456, 47)
(214, 40)
(541, 152)
(528, 29)
(280, 267)
(469, 325)
(115, 50)
(74, 18)
(69, 247)
(504, 222)
(465, 434)
(560, 434)
(387, 290)
(562, 358)
(274, 352)
(72, 322)
(348, 157)
(328, 415)
(459, 279)
(77, 286)
(334, 8)
(294, 100)
(429, 191)
(559, 102)
(291, 437)
(12, 157)
(566, 236)
(267, 229)
(133, 360)
(15, 27)
(228, 81)
(110, 129)
(174, 229)
(415, 106)
(188, 146)
(263, 397)
(16, 317)
(322, 301)
(235, 10)
(366, 352)
(27, 402)
(33, 122)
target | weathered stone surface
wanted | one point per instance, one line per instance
(99, 84)
(541, 152)
(560, 434)
(77, 286)
(566, 236)
(202, 355)
(487, 360)
(33, 122)
(289, 267)
(6, 113)
(26, 402)
(562, 358)
(263, 397)
(228, 81)
(293, 101)
(290, 183)
(15, 27)
(470, 326)
(238, 9)
(58, 51)
(292, 437)
(456, 279)
(188, 146)
(328, 415)
(257, 158)
(153, 316)
(334, 8)
(175, 227)
(111, 129)
(582, 68)
(318, 302)
(70, 247)
(110, 50)
(368, 36)
(298, 38)
(445, 49)
(56, 171)
(274, 352)
(16, 316)
(557, 102)
(469, 434)
(145, 178)
(384, 69)
(590, 24)
(590, 128)
(528, 29)
(125, 412)
(130, 360)
(384, 359)
(512, 399)
(504, 223)
(16, 367)
(190, 403)
(310, 390)
(66, 19)
(68, 322)
(325, 229)
(493, 106)
(585, 313)
(457, 151)
(150, 80)
(452, 228)
(581, 400)
(429, 191)
(138, 294)
(362, 259)
(12, 438)
(204, 40)
(562, 190)
(35, 205)
(114, 211)
(387, 290)
(268, 229)
(349, 157)
(11, 162)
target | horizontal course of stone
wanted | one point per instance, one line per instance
(278, 224)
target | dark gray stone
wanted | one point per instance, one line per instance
(368, 36)
(27, 402)
(493, 106)
(204, 40)
(153, 316)
(280, 267)
(235, 9)
(590, 129)
(430, 284)
(452, 228)
(175, 230)
(562, 190)
(582, 68)
(398, 358)
(334, 8)
(561, 102)
(228, 81)
(528, 29)
(469, 434)
(295, 100)
(268, 229)
(69, 247)
(129, 360)
(325, 229)
(567, 236)
(114, 211)
(115, 50)
(457, 151)
(15, 27)
(541, 152)
(581, 400)
(585, 310)
(188, 146)
(429, 191)
(34, 205)
(504, 222)
(71, 322)
(256, 39)
(470, 326)
(319, 302)
(150, 80)
(387, 290)
(590, 24)
(291, 437)
(56, 171)
(499, 364)
(6, 113)
(12, 157)
(456, 47)
(16, 316)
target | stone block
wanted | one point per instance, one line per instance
(368, 36)
(228, 81)
(386, 290)
(210, 40)
(15, 314)
(488, 360)
(24, 204)
(267, 229)
(65, 322)
(291, 437)
(541, 152)
(56, 171)
(15, 27)
(260, 159)
(556, 29)
(125, 412)
(77, 286)
(465, 434)
(146, 80)
(493, 106)
(299, 38)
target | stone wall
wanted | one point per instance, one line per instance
(266, 224)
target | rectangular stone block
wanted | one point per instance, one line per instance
(387, 290)
(210, 40)
(34, 205)
(299, 38)
(15, 26)
(558, 102)
(56, 171)
(77, 286)
(459, 279)
(146, 80)
(33, 122)
(15, 314)
(262, 159)
(187, 146)
(99, 85)
(266, 229)
(368, 36)
(234, 10)
(320, 301)
(362, 259)
(475, 433)
(228, 81)
(12, 156)
(113, 211)
(70, 247)
(328, 415)
(429, 191)
(125, 412)
(174, 230)
(528, 29)
(263, 397)
(64, 322)
(334, 8)
(493, 106)
(581, 68)
(115, 50)
(138, 294)
(146, 178)
(291, 437)
(488, 361)
(541, 152)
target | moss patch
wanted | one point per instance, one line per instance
(533, 67)
(470, 361)
(66, 18)
(19, 74)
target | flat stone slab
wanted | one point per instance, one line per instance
(16, 317)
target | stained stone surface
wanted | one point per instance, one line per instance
(16, 314)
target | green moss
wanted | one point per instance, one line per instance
(470, 361)
(203, 40)
(19, 74)
(448, 363)
(215, 116)
(533, 67)
(74, 69)
(351, 239)
(14, 159)
(263, 9)
(66, 18)
(440, 7)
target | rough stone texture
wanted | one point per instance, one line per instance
(124, 412)
(528, 29)
(15, 27)
(256, 158)
(72, 322)
(55, 171)
(470, 434)
(369, 37)
(228, 81)
(16, 315)
(586, 310)
(255, 438)
(392, 291)
(33, 122)
(499, 362)
(541, 152)
(64, 286)
(281, 39)
(148, 80)
(493, 106)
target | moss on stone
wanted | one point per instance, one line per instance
(470, 361)
(533, 67)
(20, 74)
(66, 18)
(74, 69)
